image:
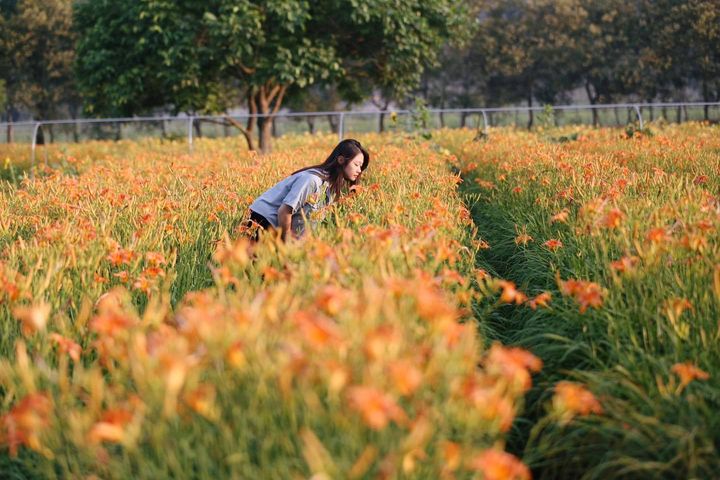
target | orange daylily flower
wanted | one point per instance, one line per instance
(111, 426)
(560, 217)
(120, 256)
(587, 294)
(317, 330)
(123, 276)
(657, 235)
(541, 300)
(553, 244)
(573, 399)
(625, 264)
(25, 422)
(498, 465)
(514, 364)
(452, 455)
(202, 401)
(510, 294)
(381, 342)
(613, 219)
(494, 406)
(32, 318)
(65, 345)
(406, 377)
(155, 259)
(432, 306)
(523, 239)
(376, 407)
(235, 355)
(687, 372)
(331, 299)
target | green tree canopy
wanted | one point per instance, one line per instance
(135, 55)
(37, 50)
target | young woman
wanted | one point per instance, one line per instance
(291, 201)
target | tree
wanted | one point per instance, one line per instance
(702, 58)
(38, 42)
(316, 98)
(527, 49)
(136, 56)
(255, 50)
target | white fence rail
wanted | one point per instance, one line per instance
(339, 120)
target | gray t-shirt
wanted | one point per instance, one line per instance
(305, 192)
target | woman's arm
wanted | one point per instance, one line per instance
(284, 220)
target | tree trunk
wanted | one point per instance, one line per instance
(198, 128)
(265, 134)
(463, 119)
(74, 114)
(9, 132)
(52, 133)
(268, 99)
(678, 115)
(383, 108)
(251, 121)
(531, 114)
(118, 132)
(333, 122)
(311, 124)
(617, 116)
(442, 101)
(592, 99)
(245, 132)
(706, 98)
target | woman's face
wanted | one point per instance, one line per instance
(353, 168)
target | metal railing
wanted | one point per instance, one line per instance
(342, 117)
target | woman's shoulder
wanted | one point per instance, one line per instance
(313, 176)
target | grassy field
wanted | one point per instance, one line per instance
(621, 232)
(144, 336)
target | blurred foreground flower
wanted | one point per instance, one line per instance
(23, 425)
(33, 318)
(499, 465)
(376, 407)
(514, 364)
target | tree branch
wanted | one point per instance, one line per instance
(278, 100)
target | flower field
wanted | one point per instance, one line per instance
(620, 235)
(145, 337)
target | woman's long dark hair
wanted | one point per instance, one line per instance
(332, 169)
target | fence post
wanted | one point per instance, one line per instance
(485, 123)
(190, 135)
(341, 127)
(639, 115)
(33, 146)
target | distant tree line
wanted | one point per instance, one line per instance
(61, 58)
(614, 50)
